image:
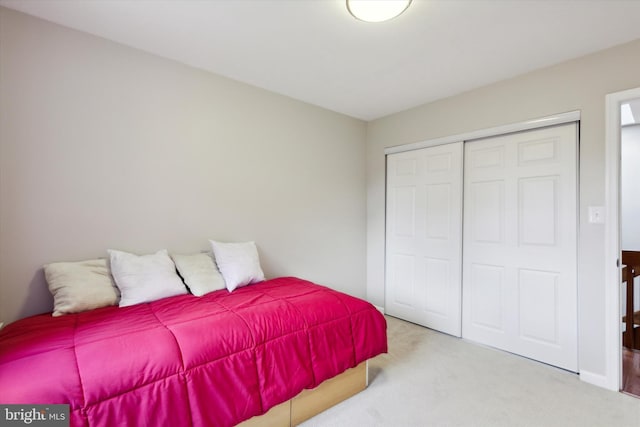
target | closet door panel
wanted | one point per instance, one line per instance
(520, 244)
(424, 236)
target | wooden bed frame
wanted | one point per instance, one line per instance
(311, 402)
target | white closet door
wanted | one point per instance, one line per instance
(520, 244)
(424, 237)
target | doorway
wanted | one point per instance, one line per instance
(619, 277)
(630, 244)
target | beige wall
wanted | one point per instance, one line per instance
(104, 146)
(579, 84)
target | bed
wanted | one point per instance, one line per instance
(215, 360)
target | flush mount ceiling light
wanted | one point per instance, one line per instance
(376, 10)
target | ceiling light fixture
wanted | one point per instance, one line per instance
(376, 10)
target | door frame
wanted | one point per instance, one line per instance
(613, 340)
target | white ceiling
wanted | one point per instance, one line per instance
(314, 51)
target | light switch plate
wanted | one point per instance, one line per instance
(596, 214)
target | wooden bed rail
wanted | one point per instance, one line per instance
(311, 402)
(631, 335)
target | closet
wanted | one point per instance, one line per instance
(481, 241)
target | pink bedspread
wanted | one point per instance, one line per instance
(209, 361)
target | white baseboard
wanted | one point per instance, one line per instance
(597, 380)
(380, 309)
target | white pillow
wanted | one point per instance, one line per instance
(144, 278)
(199, 272)
(80, 286)
(238, 263)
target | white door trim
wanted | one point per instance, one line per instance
(556, 119)
(613, 342)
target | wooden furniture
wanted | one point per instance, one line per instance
(311, 402)
(631, 335)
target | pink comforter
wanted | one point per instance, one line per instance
(180, 361)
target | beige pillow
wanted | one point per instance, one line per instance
(199, 272)
(80, 286)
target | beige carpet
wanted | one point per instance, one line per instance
(432, 379)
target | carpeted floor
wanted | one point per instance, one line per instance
(432, 379)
